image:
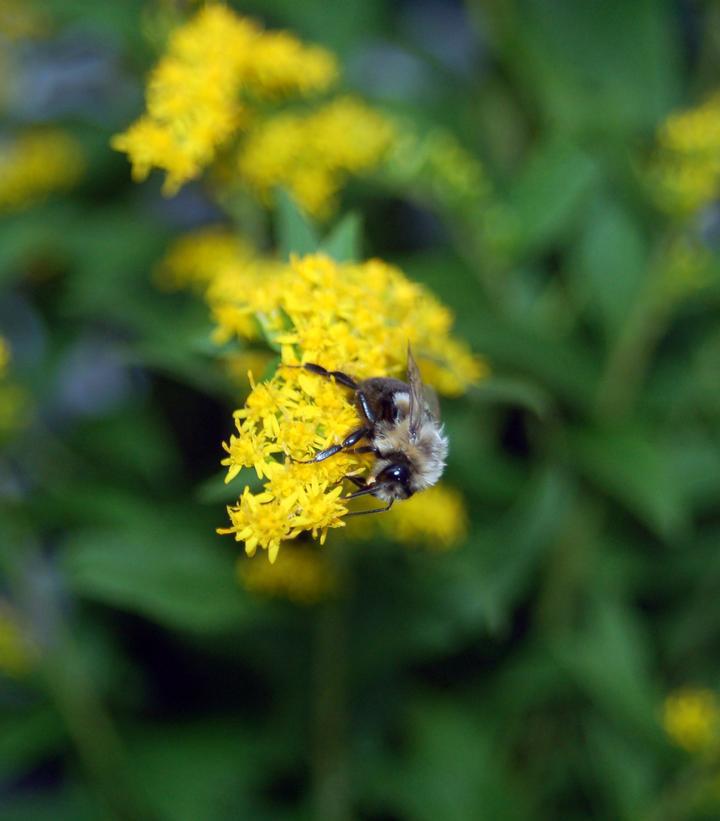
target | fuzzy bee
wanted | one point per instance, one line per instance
(402, 429)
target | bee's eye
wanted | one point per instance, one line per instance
(396, 473)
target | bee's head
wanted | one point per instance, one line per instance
(392, 478)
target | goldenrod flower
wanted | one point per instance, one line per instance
(358, 318)
(691, 718)
(195, 259)
(312, 154)
(197, 95)
(36, 164)
(436, 518)
(300, 574)
(687, 168)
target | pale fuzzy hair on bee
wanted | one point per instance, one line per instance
(426, 451)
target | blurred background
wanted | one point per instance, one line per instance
(543, 641)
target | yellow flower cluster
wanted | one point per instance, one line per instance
(195, 259)
(687, 167)
(16, 651)
(436, 518)
(691, 717)
(435, 165)
(300, 574)
(35, 164)
(358, 318)
(312, 154)
(197, 95)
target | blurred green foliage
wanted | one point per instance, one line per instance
(520, 676)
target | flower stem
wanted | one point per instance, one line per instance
(331, 783)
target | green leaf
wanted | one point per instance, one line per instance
(453, 768)
(510, 391)
(609, 264)
(609, 660)
(344, 242)
(295, 232)
(160, 564)
(638, 471)
(188, 769)
(27, 736)
(546, 201)
(610, 68)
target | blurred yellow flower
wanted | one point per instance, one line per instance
(300, 574)
(194, 259)
(312, 154)
(691, 718)
(241, 365)
(436, 518)
(35, 164)
(357, 318)
(687, 166)
(197, 95)
(17, 652)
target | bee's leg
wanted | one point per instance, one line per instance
(350, 440)
(374, 510)
(367, 411)
(339, 376)
(363, 449)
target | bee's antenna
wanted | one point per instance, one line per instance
(362, 492)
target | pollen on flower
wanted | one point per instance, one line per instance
(691, 717)
(364, 330)
(201, 92)
(35, 164)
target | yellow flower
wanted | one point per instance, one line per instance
(259, 519)
(36, 164)
(300, 574)
(195, 258)
(691, 718)
(357, 318)
(312, 154)
(17, 652)
(197, 95)
(687, 165)
(436, 518)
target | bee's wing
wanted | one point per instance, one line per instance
(417, 397)
(432, 403)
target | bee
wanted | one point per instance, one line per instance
(401, 427)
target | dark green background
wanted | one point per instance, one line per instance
(519, 677)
